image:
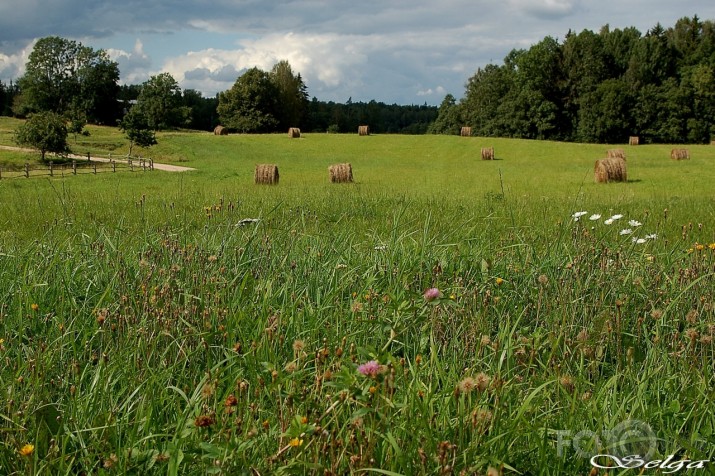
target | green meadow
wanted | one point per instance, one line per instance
(145, 329)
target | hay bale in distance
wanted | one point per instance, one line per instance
(487, 153)
(364, 130)
(679, 154)
(220, 131)
(633, 140)
(616, 154)
(341, 173)
(610, 170)
(466, 132)
(266, 174)
(294, 133)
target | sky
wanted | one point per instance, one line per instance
(392, 51)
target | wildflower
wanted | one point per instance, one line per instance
(543, 279)
(35, 307)
(204, 421)
(576, 216)
(626, 231)
(380, 247)
(453, 296)
(466, 386)
(608, 221)
(304, 420)
(698, 247)
(295, 442)
(634, 223)
(712, 246)
(499, 281)
(431, 294)
(231, 401)
(27, 450)
(639, 241)
(594, 217)
(370, 368)
(482, 381)
(652, 236)
(616, 217)
(298, 345)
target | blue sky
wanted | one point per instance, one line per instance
(405, 52)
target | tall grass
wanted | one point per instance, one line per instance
(144, 331)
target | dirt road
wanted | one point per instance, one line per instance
(164, 167)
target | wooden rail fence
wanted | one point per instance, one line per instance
(90, 166)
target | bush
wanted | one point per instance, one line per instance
(44, 131)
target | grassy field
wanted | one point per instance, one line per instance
(144, 331)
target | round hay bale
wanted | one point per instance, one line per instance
(341, 173)
(610, 170)
(680, 154)
(266, 174)
(364, 130)
(220, 131)
(294, 133)
(616, 154)
(633, 140)
(466, 131)
(487, 153)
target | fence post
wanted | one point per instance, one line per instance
(95, 168)
(74, 167)
(0, 174)
(114, 165)
(51, 169)
(88, 160)
(151, 164)
(27, 170)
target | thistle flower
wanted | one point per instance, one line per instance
(431, 294)
(369, 369)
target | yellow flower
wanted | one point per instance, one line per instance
(712, 246)
(296, 442)
(499, 281)
(34, 306)
(304, 420)
(27, 450)
(452, 296)
(699, 247)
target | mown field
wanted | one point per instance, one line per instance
(144, 331)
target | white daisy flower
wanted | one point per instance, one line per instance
(634, 223)
(594, 217)
(616, 217)
(578, 215)
(639, 241)
(652, 236)
(626, 231)
(608, 221)
(380, 247)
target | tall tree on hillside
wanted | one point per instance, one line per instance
(485, 92)
(293, 95)
(61, 74)
(449, 120)
(251, 105)
(160, 103)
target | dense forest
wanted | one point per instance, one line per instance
(597, 87)
(590, 87)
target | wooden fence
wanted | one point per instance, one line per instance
(93, 165)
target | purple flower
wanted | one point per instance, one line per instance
(369, 369)
(431, 294)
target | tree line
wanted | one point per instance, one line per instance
(81, 85)
(596, 87)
